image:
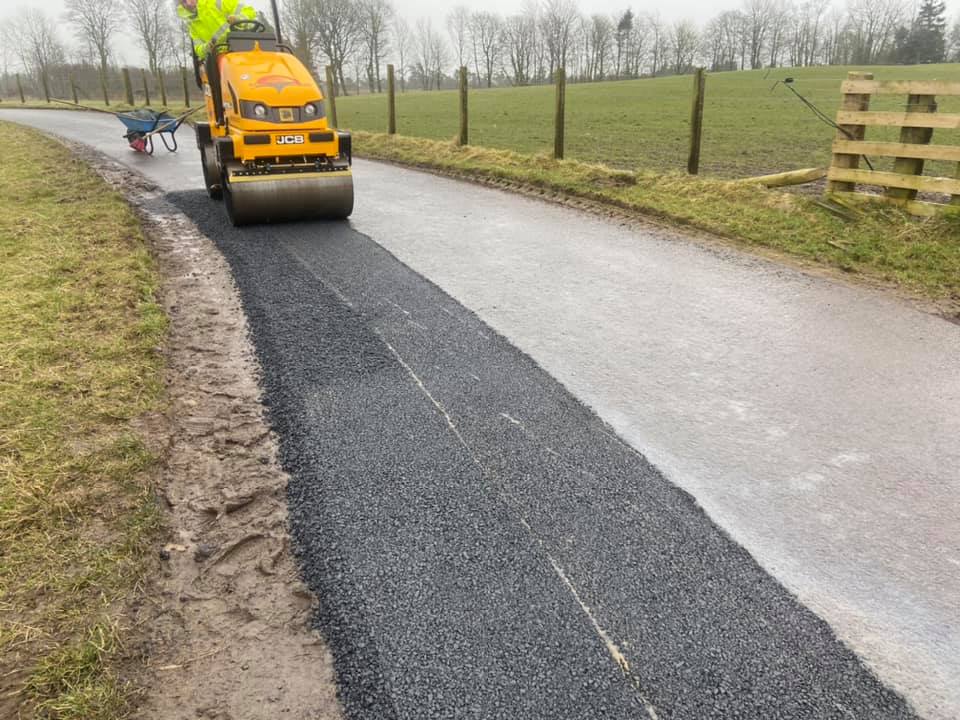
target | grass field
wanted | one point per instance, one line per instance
(79, 337)
(644, 124)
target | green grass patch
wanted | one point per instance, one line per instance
(80, 330)
(749, 129)
(922, 256)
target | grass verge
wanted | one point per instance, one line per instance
(921, 256)
(79, 336)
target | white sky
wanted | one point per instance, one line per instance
(128, 52)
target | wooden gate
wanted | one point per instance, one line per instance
(917, 124)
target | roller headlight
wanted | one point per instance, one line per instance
(260, 110)
(310, 110)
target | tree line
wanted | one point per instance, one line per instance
(358, 38)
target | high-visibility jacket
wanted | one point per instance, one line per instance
(210, 22)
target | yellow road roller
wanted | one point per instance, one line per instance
(268, 150)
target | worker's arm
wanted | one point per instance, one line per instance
(236, 11)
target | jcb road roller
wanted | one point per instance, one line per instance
(268, 150)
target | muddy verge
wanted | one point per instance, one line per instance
(224, 621)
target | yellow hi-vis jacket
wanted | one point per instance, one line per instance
(210, 22)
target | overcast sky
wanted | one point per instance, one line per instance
(413, 9)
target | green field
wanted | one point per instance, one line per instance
(644, 124)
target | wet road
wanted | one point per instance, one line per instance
(813, 422)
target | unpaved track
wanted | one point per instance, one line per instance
(498, 550)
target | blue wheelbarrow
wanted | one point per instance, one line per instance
(143, 124)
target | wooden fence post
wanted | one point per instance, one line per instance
(146, 87)
(332, 96)
(186, 87)
(559, 122)
(391, 101)
(913, 135)
(464, 138)
(127, 86)
(696, 121)
(23, 100)
(73, 88)
(851, 103)
(46, 86)
(163, 87)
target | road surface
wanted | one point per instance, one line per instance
(547, 466)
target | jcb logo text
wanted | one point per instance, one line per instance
(290, 140)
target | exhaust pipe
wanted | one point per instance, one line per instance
(276, 21)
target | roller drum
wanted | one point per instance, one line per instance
(265, 199)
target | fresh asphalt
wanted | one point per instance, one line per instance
(484, 545)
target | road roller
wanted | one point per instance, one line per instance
(267, 149)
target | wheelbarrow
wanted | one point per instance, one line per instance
(143, 124)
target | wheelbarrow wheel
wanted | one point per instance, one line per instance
(212, 179)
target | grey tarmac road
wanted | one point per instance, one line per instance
(486, 546)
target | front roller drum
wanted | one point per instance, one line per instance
(317, 196)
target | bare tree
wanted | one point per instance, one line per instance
(403, 42)
(35, 39)
(723, 41)
(598, 34)
(541, 71)
(95, 22)
(759, 17)
(339, 29)
(182, 46)
(659, 44)
(836, 39)
(781, 19)
(458, 25)
(637, 48)
(300, 30)
(806, 28)
(487, 36)
(151, 22)
(684, 41)
(558, 22)
(375, 15)
(873, 25)
(520, 39)
(431, 55)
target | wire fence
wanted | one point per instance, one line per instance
(119, 85)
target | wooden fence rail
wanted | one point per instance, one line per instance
(917, 126)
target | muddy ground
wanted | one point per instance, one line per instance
(223, 626)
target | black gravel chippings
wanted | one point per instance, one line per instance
(471, 528)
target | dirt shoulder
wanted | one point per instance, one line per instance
(226, 619)
(209, 619)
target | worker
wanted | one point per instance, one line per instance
(209, 23)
